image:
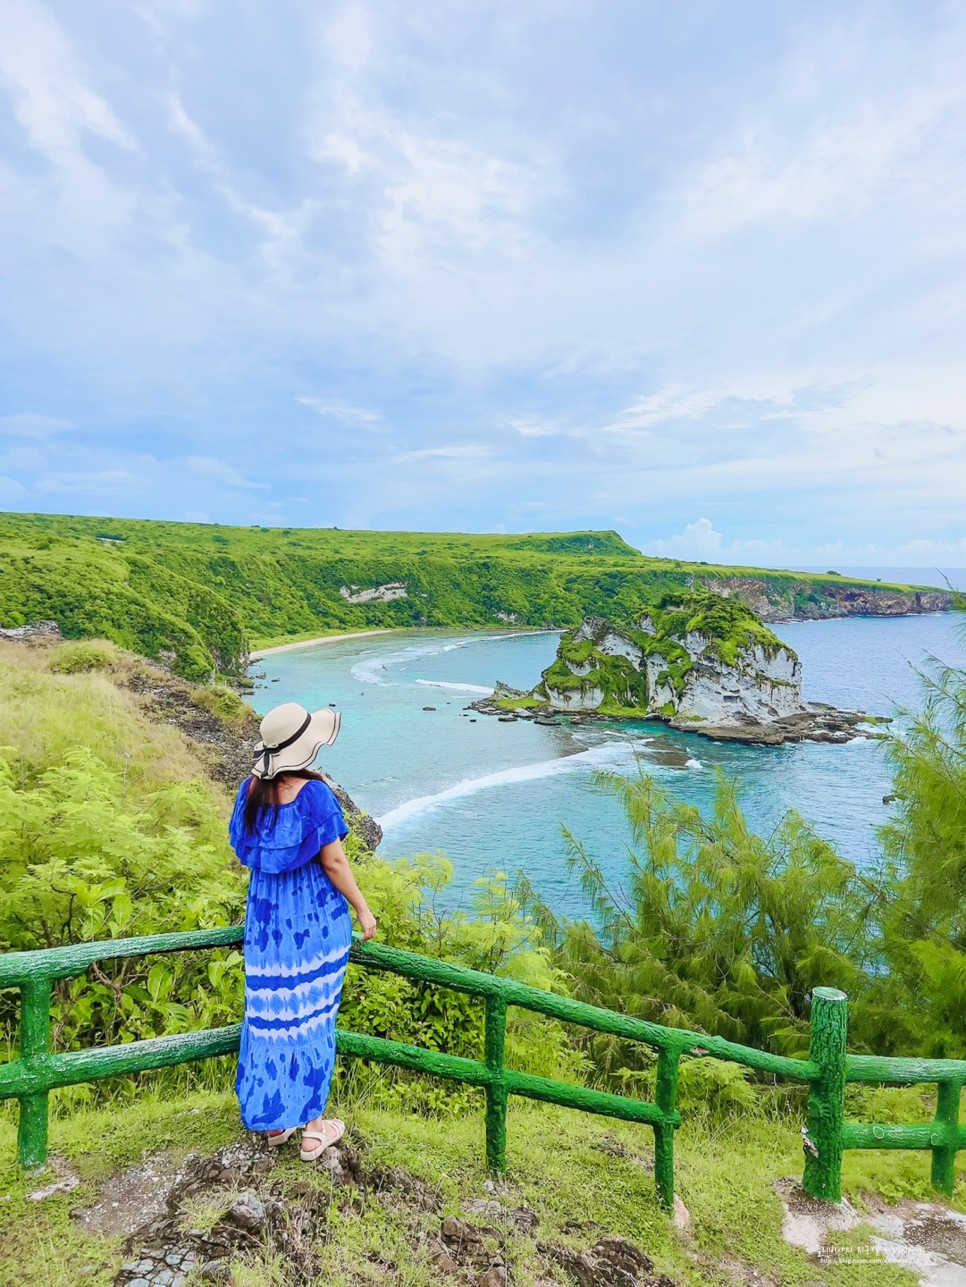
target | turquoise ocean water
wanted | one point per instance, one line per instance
(494, 797)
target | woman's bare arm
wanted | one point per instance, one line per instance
(336, 867)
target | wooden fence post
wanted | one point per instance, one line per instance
(666, 1092)
(826, 1097)
(947, 1123)
(35, 997)
(496, 1092)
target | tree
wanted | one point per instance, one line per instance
(715, 928)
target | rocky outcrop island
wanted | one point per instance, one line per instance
(701, 662)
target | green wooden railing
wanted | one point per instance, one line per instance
(37, 1070)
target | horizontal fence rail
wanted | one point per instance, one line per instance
(37, 1070)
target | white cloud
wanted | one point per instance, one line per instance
(283, 230)
(54, 102)
(452, 451)
(31, 424)
(534, 426)
(220, 471)
(927, 550)
(10, 489)
(361, 417)
(111, 482)
(436, 198)
(701, 541)
(60, 111)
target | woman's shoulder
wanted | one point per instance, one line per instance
(317, 796)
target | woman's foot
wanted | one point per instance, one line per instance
(277, 1138)
(319, 1135)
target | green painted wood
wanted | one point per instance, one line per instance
(139, 1056)
(903, 1072)
(434, 1062)
(928, 1135)
(947, 1120)
(30, 1077)
(583, 1098)
(66, 962)
(826, 1099)
(35, 1001)
(412, 965)
(496, 1091)
(666, 1092)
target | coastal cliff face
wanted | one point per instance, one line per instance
(780, 599)
(702, 663)
(706, 659)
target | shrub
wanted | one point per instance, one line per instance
(83, 655)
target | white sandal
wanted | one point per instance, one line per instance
(276, 1141)
(325, 1141)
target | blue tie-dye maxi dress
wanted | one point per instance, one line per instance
(297, 936)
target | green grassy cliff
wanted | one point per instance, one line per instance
(195, 596)
(585, 663)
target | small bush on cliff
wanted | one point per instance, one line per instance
(83, 655)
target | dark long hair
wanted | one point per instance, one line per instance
(263, 795)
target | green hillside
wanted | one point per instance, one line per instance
(197, 595)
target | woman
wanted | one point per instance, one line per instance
(287, 826)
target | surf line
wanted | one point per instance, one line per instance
(610, 752)
(462, 688)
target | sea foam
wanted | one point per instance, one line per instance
(461, 688)
(611, 753)
(370, 669)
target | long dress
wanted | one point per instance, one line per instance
(297, 937)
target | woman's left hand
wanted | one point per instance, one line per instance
(367, 923)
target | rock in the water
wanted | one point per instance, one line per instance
(699, 661)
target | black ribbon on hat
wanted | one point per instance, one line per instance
(267, 752)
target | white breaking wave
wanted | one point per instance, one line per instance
(369, 669)
(606, 753)
(462, 688)
(693, 764)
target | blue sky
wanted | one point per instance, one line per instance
(691, 271)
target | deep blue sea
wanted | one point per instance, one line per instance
(495, 797)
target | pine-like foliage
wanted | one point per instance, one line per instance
(925, 926)
(714, 927)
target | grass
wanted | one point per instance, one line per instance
(48, 709)
(568, 1167)
(193, 594)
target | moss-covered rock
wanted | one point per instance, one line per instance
(699, 657)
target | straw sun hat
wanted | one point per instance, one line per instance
(292, 738)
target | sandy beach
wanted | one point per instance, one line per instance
(310, 643)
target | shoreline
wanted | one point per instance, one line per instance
(258, 653)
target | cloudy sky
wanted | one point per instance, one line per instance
(692, 271)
